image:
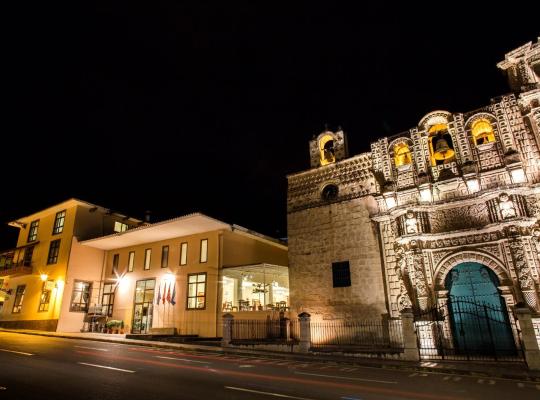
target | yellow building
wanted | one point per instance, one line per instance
(37, 277)
(182, 274)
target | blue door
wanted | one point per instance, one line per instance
(478, 316)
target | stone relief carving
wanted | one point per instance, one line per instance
(522, 268)
(471, 216)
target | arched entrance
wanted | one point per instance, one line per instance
(478, 316)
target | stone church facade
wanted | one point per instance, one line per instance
(375, 233)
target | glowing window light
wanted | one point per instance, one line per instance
(482, 132)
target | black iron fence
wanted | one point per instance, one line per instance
(465, 330)
(369, 335)
(265, 330)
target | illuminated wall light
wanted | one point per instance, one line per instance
(168, 277)
(518, 175)
(390, 201)
(473, 185)
(425, 195)
(44, 277)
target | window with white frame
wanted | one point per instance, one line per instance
(183, 253)
(204, 251)
(147, 257)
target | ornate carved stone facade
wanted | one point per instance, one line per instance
(458, 187)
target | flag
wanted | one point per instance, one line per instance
(173, 300)
(169, 294)
(158, 295)
(164, 291)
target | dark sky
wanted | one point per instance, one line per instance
(178, 108)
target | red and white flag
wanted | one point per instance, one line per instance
(165, 290)
(169, 293)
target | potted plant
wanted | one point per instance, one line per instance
(121, 325)
(109, 325)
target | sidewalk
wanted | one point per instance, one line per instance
(502, 370)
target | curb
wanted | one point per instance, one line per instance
(526, 376)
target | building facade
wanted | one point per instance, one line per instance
(77, 266)
(36, 284)
(181, 275)
(448, 209)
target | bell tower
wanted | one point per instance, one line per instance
(327, 148)
(522, 66)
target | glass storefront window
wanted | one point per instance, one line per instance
(255, 288)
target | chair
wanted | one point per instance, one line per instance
(243, 305)
(227, 306)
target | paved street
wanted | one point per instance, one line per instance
(36, 367)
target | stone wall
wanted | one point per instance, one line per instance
(335, 232)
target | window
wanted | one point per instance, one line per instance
(19, 296)
(164, 256)
(131, 261)
(326, 149)
(54, 249)
(116, 259)
(482, 132)
(33, 231)
(147, 256)
(120, 227)
(80, 297)
(107, 300)
(45, 297)
(59, 222)
(196, 291)
(27, 259)
(204, 251)
(441, 147)
(341, 274)
(183, 253)
(402, 155)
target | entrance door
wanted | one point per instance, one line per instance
(143, 305)
(478, 316)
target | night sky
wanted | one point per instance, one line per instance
(178, 108)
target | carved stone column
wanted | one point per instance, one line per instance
(523, 271)
(415, 265)
(402, 273)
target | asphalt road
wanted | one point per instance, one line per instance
(37, 367)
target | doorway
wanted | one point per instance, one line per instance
(478, 317)
(143, 305)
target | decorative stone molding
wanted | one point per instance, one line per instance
(444, 267)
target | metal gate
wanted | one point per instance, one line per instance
(468, 330)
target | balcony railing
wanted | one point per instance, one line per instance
(16, 269)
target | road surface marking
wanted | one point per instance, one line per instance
(344, 377)
(411, 375)
(104, 366)
(91, 348)
(184, 359)
(428, 364)
(457, 379)
(3, 388)
(266, 393)
(521, 385)
(491, 382)
(480, 381)
(17, 352)
(446, 378)
(245, 366)
(537, 387)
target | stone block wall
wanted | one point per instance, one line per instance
(335, 232)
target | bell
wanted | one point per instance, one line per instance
(442, 150)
